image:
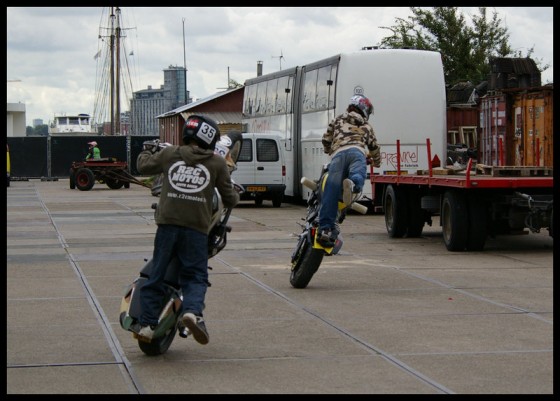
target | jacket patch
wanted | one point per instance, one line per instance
(188, 179)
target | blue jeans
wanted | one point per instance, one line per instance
(191, 247)
(350, 163)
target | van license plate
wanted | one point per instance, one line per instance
(256, 189)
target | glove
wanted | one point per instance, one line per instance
(237, 187)
(152, 146)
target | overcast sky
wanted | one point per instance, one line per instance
(50, 50)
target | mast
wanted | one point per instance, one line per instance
(112, 70)
(111, 85)
(118, 74)
(115, 51)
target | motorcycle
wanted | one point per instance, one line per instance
(308, 253)
(169, 323)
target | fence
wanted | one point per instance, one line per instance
(52, 156)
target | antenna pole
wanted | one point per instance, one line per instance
(280, 57)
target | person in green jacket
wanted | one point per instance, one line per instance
(191, 171)
(93, 152)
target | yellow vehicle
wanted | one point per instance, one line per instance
(8, 168)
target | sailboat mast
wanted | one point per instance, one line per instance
(112, 70)
(110, 81)
(118, 73)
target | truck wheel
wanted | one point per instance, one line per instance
(454, 221)
(72, 179)
(394, 206)
(415, 214)
(476, 237)
(84, 179)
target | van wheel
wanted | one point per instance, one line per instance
(277, 200)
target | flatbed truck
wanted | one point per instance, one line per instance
(474, 203)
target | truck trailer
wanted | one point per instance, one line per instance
(473, 203)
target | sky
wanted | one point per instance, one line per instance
(51, 65)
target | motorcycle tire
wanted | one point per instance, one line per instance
(305, 264)
(158, 345)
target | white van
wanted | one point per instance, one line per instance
(261, 169)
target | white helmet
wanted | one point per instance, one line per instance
(363, 104)
(93, 143)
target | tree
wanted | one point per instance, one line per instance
(39, 130)
(234, 84)
(466, 49)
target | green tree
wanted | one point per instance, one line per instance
(39, 130)
(466, 49)
(234, 84)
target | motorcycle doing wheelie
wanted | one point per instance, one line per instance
(169, 323)
(308, 253)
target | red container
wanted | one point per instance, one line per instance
(494, 140)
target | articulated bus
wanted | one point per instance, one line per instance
(406, 88)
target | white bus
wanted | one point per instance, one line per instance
(406, 88)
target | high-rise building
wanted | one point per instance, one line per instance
(148, 103)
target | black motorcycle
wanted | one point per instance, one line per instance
(308, 253)
(169, 323)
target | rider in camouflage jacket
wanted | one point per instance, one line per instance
(349, 140)
(350, 129)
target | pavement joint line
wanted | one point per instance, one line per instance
(114, 345)
(390, 358)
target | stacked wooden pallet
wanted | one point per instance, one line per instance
(514, 171)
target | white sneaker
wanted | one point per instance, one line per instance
(348, 188)
(196, 326)
(146, 334)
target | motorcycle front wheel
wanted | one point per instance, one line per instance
(158, 345)
(305, 263)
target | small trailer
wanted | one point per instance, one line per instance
(473, 203)
(109, 171)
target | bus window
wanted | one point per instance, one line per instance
(323, 88)
(260, 98)
(310, 90)
(332, 87)
(271, 95)
(250, 93)
(280, 106)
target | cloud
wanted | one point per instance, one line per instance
(53, 55)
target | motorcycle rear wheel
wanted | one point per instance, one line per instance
(159, 345)
(305, 264)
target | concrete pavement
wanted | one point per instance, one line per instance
(385, 316)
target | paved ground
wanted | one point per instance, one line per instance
(385, 316)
